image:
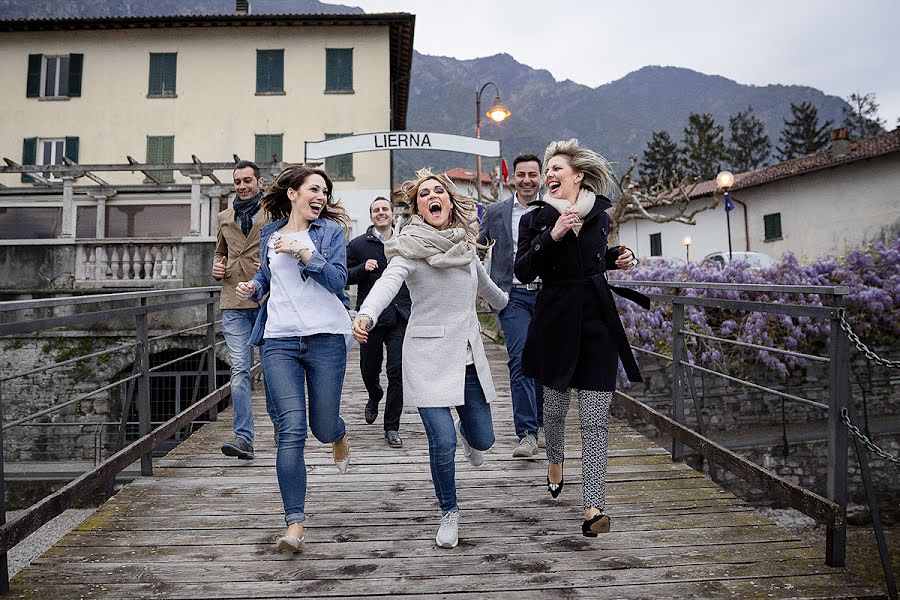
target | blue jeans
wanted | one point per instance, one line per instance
(527, 394)
(319, 360)
(477, 427)
(237, 323)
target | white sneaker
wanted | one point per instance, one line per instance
(448, 532)
(528, 447)
(475, 457)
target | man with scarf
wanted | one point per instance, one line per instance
(236, 260)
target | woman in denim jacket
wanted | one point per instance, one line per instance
(305, 326)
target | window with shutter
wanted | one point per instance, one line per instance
(339, 70)
(656, 244)
(161, 150)
(267, 147)
(772, 224)
(270, 71)
(339, 168)
(29, 156)
(163, 68)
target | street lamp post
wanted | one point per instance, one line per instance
(497, 113)
(687, 241)
(724, 180)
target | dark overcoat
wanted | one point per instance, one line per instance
(359, 250)
(576, 338)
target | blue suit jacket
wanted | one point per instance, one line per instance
(496, 225)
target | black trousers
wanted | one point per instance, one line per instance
(371, 355)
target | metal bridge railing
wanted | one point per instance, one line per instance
(25, 317)
(829, 510)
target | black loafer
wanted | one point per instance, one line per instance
(239, 447)
(393, 439)
(595, 525)
(371, 413)
(555, 489)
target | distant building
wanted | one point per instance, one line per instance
(169, 88)
(839, 198)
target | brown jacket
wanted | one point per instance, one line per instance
(242, 253)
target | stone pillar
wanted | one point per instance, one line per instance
(68, 208)
(195, 204)
(101, 215)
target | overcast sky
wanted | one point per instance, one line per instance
(837, 46)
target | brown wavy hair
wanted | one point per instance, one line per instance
(463, 210)
(277, 205)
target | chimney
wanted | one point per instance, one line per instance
(840, 145)
(242, 7)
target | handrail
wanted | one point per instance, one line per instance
(95, 298)
(836, 290)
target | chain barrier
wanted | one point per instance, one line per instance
(892, 364)
(870, 446)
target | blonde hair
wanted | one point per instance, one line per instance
(598, 174)
(463, 210)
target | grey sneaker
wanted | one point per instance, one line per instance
(475, 457)
(238, 447)
(448, 532)
(528, 447)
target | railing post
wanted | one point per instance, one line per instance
(143, 385)
(839, 390)
(4, 563)
(195, 204)
(69, 213)
(678, 355)
(211, 352)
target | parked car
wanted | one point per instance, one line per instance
(754, 259)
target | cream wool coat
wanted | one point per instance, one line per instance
(442, 323)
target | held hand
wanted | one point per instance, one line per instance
(564, 224)
(256, 264)
(289, 246)
(626, 259)
(371, 265)
(245, 289)
(218, 269)
(360, 329)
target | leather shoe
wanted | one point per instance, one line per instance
(393, 439)
(596, 525)
(371, 413)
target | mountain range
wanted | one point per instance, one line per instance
(615, 119)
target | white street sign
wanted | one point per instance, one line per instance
(402, 140)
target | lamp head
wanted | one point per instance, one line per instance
(687, 241)
(498, 112)
(724, 180)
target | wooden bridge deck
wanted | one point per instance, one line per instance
(204, 526)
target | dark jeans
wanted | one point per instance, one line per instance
(371, 355)
(527, 394)
(477, 427)
(319, 361)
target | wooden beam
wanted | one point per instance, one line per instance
(16, 168)
(809, 503)
(89, 175)
(147, 174)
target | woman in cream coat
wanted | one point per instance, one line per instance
(444, 365)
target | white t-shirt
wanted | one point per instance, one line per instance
(517, 211)
(299, 308)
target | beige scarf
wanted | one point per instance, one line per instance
(582, 206)
(444, 248)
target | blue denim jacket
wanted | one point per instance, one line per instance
(327, 266)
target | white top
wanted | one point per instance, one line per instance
(380, 236)
(517, 211)
(298, 308)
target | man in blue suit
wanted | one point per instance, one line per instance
(501, 224)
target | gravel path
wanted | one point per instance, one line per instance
(42, 539)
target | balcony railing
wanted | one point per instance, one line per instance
(110, 263)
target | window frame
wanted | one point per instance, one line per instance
(338, 90)
(60, 87)
(163, 92)
(54, 160)
(776, 218)
(656, 244)
(268, 53)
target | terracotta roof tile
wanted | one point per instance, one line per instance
(825, 159)
(460, 174)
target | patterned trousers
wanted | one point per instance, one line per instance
(593, 412)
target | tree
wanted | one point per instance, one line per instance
(861, 118)
(662, 202)
(802, 134)
(749, 146)
(660, 160)
(703, 146)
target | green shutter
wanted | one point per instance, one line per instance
(276, 71)
(161, 150)
(261, 149)
(339, 69)
(170, 67)
(76, 63)
(266, 146)
(772, 224)
(154, 88)
(71, 148)
(29, 155)
(262, 79)
(33, 81)
(341, 166)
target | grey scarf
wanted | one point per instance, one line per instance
(582, 206)
(444, 248)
